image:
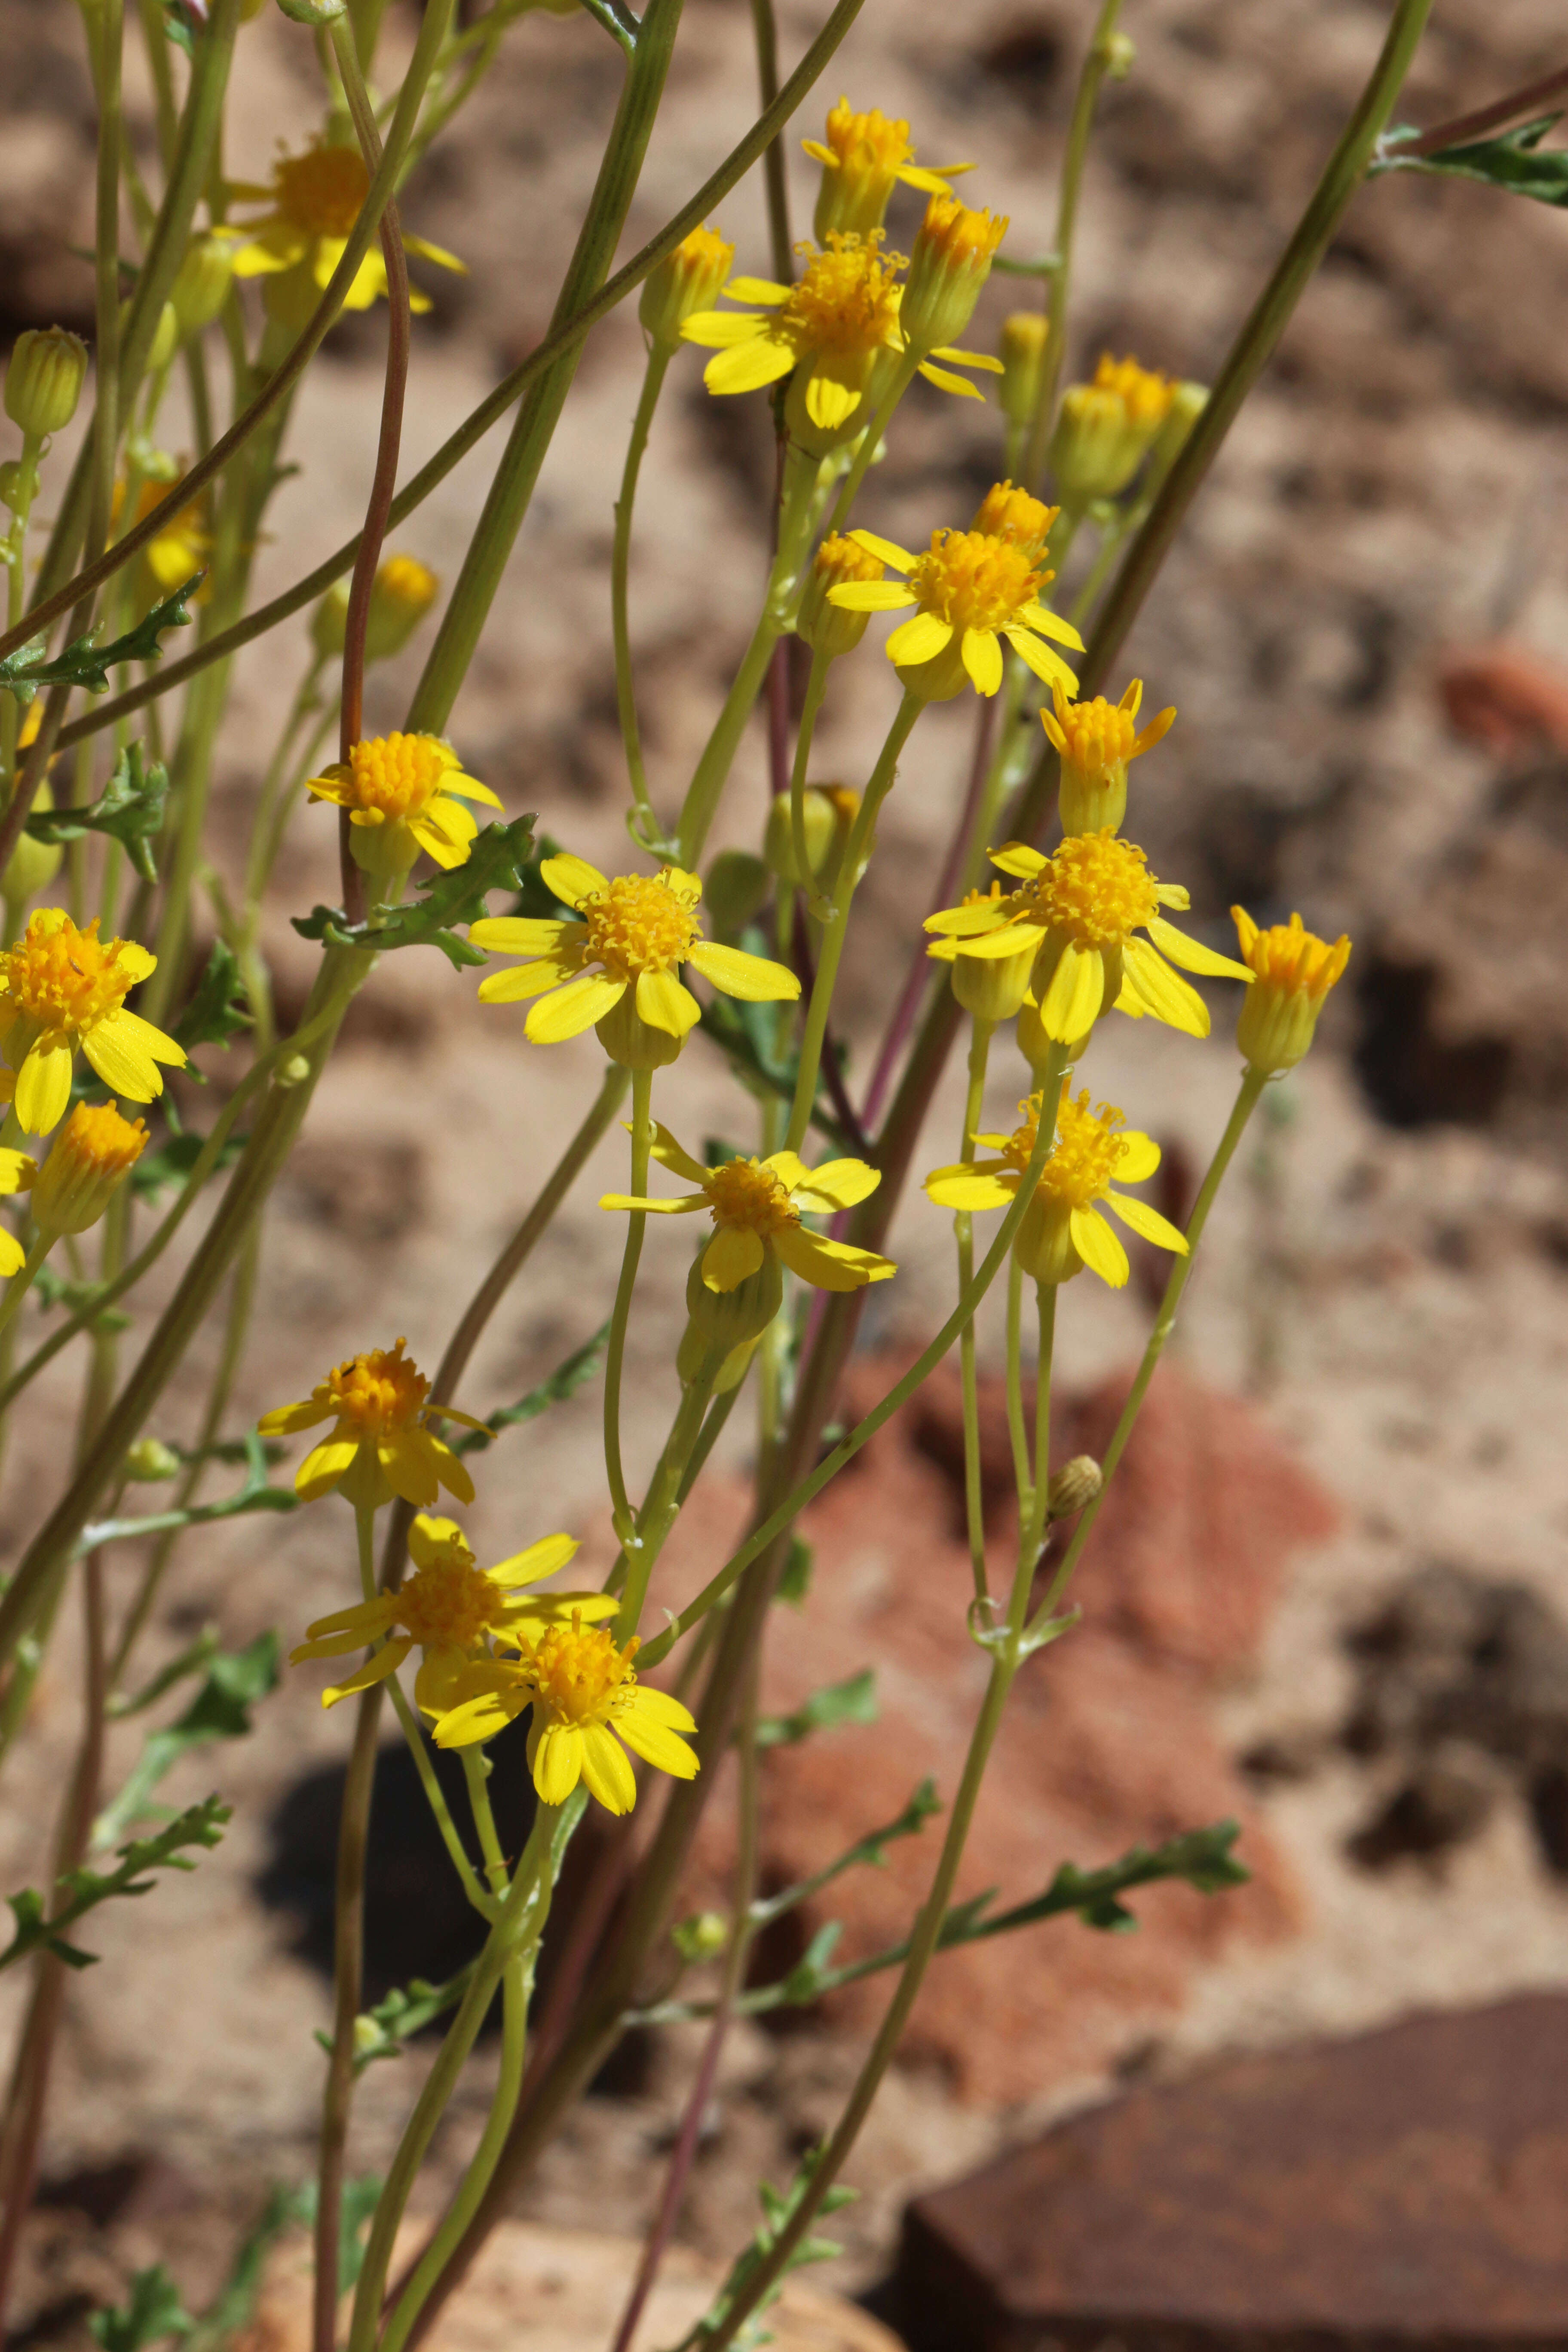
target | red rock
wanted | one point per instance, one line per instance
(1508, 700)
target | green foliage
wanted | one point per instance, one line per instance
(534, 896)
(795, 1584)
(495, 862)
(777, 2213)
(233, 1681)
(84, 1890)
(582, 1365)
(84, 662)
(854, 1701)
(130, 810)
(256, 1494)
(171, 1163)
(217, 1008)
(151, 2312)
(54, 1290)
(1513, 161)
(385, 2031)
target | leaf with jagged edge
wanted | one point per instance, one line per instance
(85, 1889)
(219, 1005)
(87, 664)
(853, 1701)
(130, 810)
(494, 862)
(1514, 162)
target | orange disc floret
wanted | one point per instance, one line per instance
(450, 1602)
(321, 192)
(379, 1391)
(746, 1196)
(63, 978)
(1097, 889)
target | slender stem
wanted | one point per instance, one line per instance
(642, 1150)
(1247, 1102)
(658, 358)
(348, 1972)
(451, 1838)
(871, 440)
(850, 868)
(1023, 1473)
(767, 38)
(963, 1233)
(658, 1514)
(106, 31)
(21, 1282)
(815, 688)
(1032, 1542)
(1074, 156)
(1461, 127)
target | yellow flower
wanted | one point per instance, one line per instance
(314, 200)
(756, 1205)
(826, 629)
(832, 328)
(690, 279)
(1006, 512)
(403, 793)
(61, 988)
(183, 544)
(991, 987)
(1096, 741)
(449, 1608)
(585, 1699)
(379, 1446)
(16, 1174)
(865, 156)
(950, 265)
(1106, 428)
(637, 930)
(1081, 909)
(1062, 1231)
(971, 591)
(88, 1160)
(401, 594)
(1295, 970)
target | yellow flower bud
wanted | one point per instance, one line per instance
(43, 379)
(1295, 970)
(828, 811)
(1096, 739)
(736, 889)
(201, 287)
(690, 279)
(1107, 428)
(950, 264)
(1187, 404)
(1025, 334)
(1006, 513)
(990, 988)
(88, 1160)
(401, 594)
(150, 1461)
(827, 628)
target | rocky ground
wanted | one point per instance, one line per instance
(1369, 1670)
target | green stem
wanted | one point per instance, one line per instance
(1034, 1539)
(21, 1282)
(851, 866)
(663, 1500)
(766, 34)
(1246, 1101)
(419, 1748)
(1074, 157)
(642, 1150)
(815, 688)
(870, 441)
(1023, 1474)
(658, 358)
(963, 1233)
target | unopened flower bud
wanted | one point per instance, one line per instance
(1012, 514)
(1121, 52)
(1076, 1483)
(1025, 334)
(1107, 428)
(827, 628)
(690, 280)
(201, 287)
(989, 987)
(828, 811)
(950, 264)
(702, 1936)
(32, 865)
(1294, 972)
(88, 1160)
(1187, 404)
(735, 891)
(401, 594)
(149, 1462)
(1096, 739)
(43, 379)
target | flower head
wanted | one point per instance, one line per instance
(615, 965)
(755, 1207)
(43, 379)
(970, 590)
(1096, 740)
(1082, 910)
(451, 1610)
(380, 1445)
(990, 987)
(401, 594)
(865, 157)
(1294, 972)
(826, 627)
(88, 1161)
(586, 1699)
(61, 988)
(688, 280)
(1008, 514)
(1062, 1231)
(1106, 428)
(829, 332)
(313, 200)
(950, 262)
(182, 544)
(403, 793)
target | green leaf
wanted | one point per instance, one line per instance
(153, 2310)
(1202, 1858)
(131, 812)
(171, 1163)
(85, 664)
(54, 1290)
(777, 2213)
(256, 1494)
(535, 898)
(870, 1850)
(179, 1669)
(854, 1701)
(494, 862)
(218, 1009)
(1513, 161)
(83, 1890)
(384, 2031)
(581, 1366)
(233, 1683)
(795, 1584)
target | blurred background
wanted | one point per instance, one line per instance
(1332, 1598)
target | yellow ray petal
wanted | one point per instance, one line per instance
(671, 1154)
(945, 381)
(571, 879)
(521, 982)
(665, 1003)
(756, 980)
(982, 659)
(965, 1187)
(1140, 1157)
(919, 640)
(573, 1008)
(1168, 997)
(897, 558)
(606, 1773)
(44, 1088)
(558, 1762)
(1099, 1247)
(540, 1558)
(376, 1669)
(657, 1743)
(1148, 1222)
(1191, 955)
(836, 1184)
(1070, 1005)
(522, 935)
(829, 1265)
(749, 366)
(871, 596)
(1039, 657)
(733, 1253)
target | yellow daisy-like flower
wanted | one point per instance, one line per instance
(586, 1699)
(867, 156)
(61, 988)
(1107, 428)
(403, 793)
(948, 270)
(1081, 910)
(1062, 1231)
(690, 279)
(991, 987)
(17, 1171)
(638, 930)
(450, 1609)
(183, 543)
(971, 591)
(756, 1205)
(1007, 512)
(314, 200)
(1294, 972)
(1096, 740)
(380, 1445)
(88, 1161)
(829, 331)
